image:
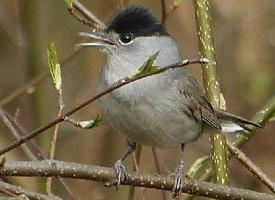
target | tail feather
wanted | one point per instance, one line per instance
(233, 123)
(230, 127)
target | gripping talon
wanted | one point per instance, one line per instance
(179, 181)
(120, 171)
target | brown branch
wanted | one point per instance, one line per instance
(256, 171)
(116, 85)
(34, 81)
(21, 191)
(107, 175)
(92, 20)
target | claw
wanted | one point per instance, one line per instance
(120, 171)
(179, 181)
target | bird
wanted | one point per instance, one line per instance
(163, 111)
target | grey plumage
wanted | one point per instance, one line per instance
(163, 110)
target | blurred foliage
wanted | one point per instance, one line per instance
(244, 37)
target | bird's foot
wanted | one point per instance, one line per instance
(179, 180)
(120, 171)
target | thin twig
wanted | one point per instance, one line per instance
(116, 85)
(156, 160)
(9, 28)
(22, 89)
(31, 147)
(80, 18)
(21, 191)
(256, 171)
(121, 4)
(55, 133)
(15, 134)
(163, 11)
(136, 158)
(6, 192)
(107, 175)
(92, 20)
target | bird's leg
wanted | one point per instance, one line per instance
(179, 176)
(119, 167)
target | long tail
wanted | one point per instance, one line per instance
(233, 123)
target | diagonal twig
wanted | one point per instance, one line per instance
(30, 194)
(31, 148)
(256, 171)
(91, 19)
(116, 85)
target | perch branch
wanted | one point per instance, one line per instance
(107, 175)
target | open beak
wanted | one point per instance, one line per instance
(103, 39)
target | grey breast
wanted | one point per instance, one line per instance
(148, 111)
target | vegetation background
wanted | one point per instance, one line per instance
(244, 34)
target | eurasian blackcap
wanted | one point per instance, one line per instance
(163, 110)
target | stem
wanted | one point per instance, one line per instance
(261, 117)
(54, 139)
(212, 87)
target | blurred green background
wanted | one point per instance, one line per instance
(244, 33)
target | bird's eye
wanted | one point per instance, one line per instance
(126, 39)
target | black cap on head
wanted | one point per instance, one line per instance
(136, 20)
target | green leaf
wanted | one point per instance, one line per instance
(178, 2)
(91, 123)
(69, 3)
(198, 167)
(149, 66)
(54, 66)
